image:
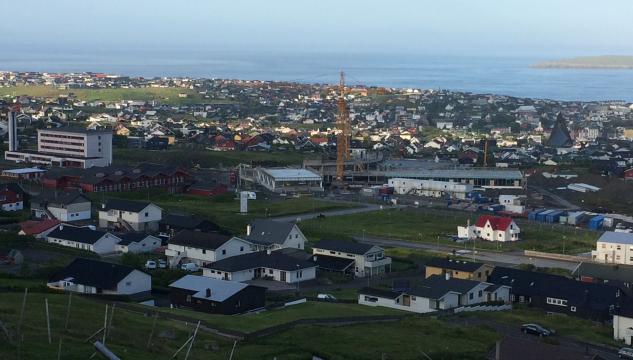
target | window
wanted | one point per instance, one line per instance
(618, 247)
(471, 296)
(371, 299)
(480, 293)
(224, 252)
(146, 214)
(128, 283)
(557, 302)
(573, 309)
(241, 248)
(270, 271)
(188, 298)
(604, 246)
(204, 251)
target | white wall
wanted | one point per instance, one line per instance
(234, 246)
(148, 244)
(72, 213)
(136, 282)
(105, 245)
(478, 295)
(295, 239)
(16, 206)
(608, 253)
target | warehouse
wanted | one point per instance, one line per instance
(431, 188)
(289, 180)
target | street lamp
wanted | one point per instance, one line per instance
(298, 278)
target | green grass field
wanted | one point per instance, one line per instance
(433, 228)
(224, 209)
(163, 95)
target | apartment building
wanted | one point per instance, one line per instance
(68, 147)
(614, 248)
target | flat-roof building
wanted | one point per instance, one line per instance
(289, 180)
(68, 147)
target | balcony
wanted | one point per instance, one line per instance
(378, 262)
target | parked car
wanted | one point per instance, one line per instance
(189, 267)
(326, 297)
(625, 353)
(536, 329)
(150, 264)
(162, 264)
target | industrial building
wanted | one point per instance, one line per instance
(64, 147)
(283, 180)
(431, 188)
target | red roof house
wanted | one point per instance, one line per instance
(38, 229)
(497, 228)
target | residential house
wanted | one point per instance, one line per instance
(137, 243)
(274, 235)
(558, 294)
(438, 292)
(172, 223)
(369, 260)
(85, 238)
(130, 215)
(203, 248)
(273, 265)
(38, 228)
(89, 276)
(623, 322)
(496, 228)
(63, 206)
(608, 274)
(11, 197)
(458, 269)
(215, 296)
(614, 248)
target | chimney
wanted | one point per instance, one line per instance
(208, 293)
(447, 275)
(248, 230)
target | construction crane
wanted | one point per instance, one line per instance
(344, 132)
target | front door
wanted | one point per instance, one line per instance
(406, 300)
(282, 276)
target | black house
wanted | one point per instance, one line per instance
(215, 296)
(559, 294)
(173, 223)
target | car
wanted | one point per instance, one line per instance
(150, 264)
(189, 266)
(326, 297)
(625, 353)
(162, 264)
(536, 329)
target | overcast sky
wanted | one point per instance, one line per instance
(500, 27)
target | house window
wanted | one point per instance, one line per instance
(471, 296)
(618, 247)
(128, 283)
(224, 252)
(270, 271)
(204, 251)
(557, 302)
(146, 214)
(480, 293)
(188, 298)
(241, 248)
(604, 246)
(573, 309)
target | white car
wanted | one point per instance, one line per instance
(326, 297)
(150, 264)
(162, 264)
(189, 267)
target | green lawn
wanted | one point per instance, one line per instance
(224, 209)
(163, 95)
(411, 225)
(412, 338)
(208, 158)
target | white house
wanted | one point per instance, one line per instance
(137, 243)
(203, 248)
(88, 276)
(623, 323)
(436, 292)
(496, 228)
(364, 259)
(85, 238)
(11, 197)
(130, 215)
(273, 265)
(63, 206)
(274, 235)
(513, 203)
(615, 248)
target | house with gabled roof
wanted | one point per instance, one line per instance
(130, 215)
(11, 197)
(85, 238)
(38, 228)
(458, 269)
(203, 248)
(497, 228)
(351, 257)
(273, 235)
(89, 276)
(137, 243)
(60, 205)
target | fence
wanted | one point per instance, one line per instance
(553, 256)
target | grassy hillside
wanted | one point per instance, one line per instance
(163, 95)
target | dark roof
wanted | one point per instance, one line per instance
(274, 260)
(183, 221)
(436, 286)
(125, 205)
(559, 136)
(595, 296)
(614, 272)
(333, 263)
(349, 247)
(100, 274)
(466, 266)
(199, 240)
(268, 232)
(388, 294)
(79, 130)
(128, 238)
(52, 197)
(77, 234)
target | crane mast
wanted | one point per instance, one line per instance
(344, 132)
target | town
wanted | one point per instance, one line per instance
(217, 218)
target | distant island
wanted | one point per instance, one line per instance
(589, 62)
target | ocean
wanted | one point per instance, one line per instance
(511, 75)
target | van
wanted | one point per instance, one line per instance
(189, 267)
(326, 297)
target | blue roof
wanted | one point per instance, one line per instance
(616, 237)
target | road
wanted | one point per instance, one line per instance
(312, 215)
(562, 202)
(500, 258)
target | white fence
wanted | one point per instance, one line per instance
(503, 307)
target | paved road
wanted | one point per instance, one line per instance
(505, 258)
(562, 202)
(307, 216)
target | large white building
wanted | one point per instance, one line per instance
(68, 147)
(431, 188)
(289, 180)
(615, 248)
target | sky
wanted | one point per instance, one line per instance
(469, 27)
